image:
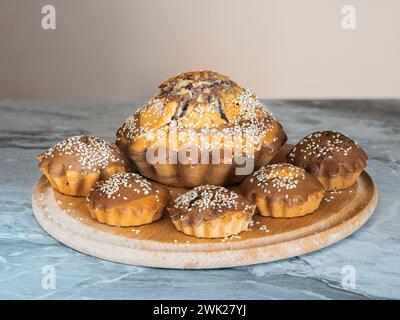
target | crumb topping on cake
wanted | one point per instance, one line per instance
(93, 154)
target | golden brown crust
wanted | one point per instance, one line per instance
(334, 158)
(283, 190)
(230, 223)
(75, 164)
(127, 217)
(194, 104)
(210, 206)
(127, 199)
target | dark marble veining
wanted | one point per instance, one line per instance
(27, 127)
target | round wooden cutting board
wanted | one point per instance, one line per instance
(160, 245)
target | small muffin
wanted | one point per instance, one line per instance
(332, 157)
(283, 191)
(127, 199)
(211, 212)
(201, 112)
(74, 165)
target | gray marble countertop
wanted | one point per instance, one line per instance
(27, 128)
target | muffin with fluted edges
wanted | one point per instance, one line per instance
(332, 157)
(74, 165)
(208, 129)
(283, 191)
(127, 199)
(211, 212)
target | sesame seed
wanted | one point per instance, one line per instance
(92, 153)
(111, 188)
(208, 197)
(279, 177)
(202, 91)
(322, 144)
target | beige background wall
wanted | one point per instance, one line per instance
(103, 50)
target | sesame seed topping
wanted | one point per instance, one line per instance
(93, 153)
(112, 187)
(199, 104)
(323, 144)
(207, 197)
(280, 177)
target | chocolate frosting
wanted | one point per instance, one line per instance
(333, 151)
(122, 188)
(208, 202)
(281, 182)
(82, 154)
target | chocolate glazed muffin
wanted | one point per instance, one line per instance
(283, 191)
(74, 165)
(211, 212)
(203, 110)
(127, 199)
(332, 157)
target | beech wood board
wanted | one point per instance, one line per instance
(159, 244)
